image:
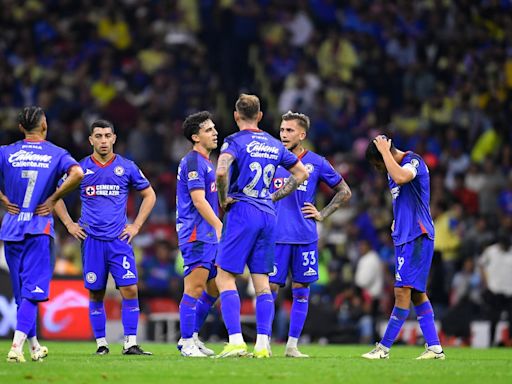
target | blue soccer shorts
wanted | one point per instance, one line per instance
(99, 257)
(300, 259)
(248, 238)
(199, 255)
(412, 263)
(30, 264)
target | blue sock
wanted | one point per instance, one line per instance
(230, 307)
(204, 303)
(130, 316)
(264, 313)
(299, 311)
(274, 297)
(26, 316)
(98, 318)
(397, 319)
(33, 330)
(425, 315)
(188, 306)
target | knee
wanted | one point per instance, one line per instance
(195, 290)
(274, 287)
(96, 295)
(129, 292)
(402, 297)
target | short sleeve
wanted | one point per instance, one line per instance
(288, 159)
(195, 173)
(414, 164)
(229, 146)
(66, 162)
(137, 178)
(329, 175)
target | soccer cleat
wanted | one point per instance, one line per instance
(376, 353)
(203, 348)
(429, 354)
(15, 357)
(294, 352)
(233, 350)
(39, 354)
(262, 353)
(103, 350)
(135, 350)
(191, 350)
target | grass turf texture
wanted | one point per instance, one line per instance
(70, 362)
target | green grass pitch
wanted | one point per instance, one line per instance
(71, 362)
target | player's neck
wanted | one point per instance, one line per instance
(298, 150)
(103, 159)
(249, 126)
(203, 151)
(34, 136)
(398, 155)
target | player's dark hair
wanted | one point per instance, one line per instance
(373, 155)
(30, 117)
(192, 124)
(248, 106)
(302, 119)
(102, 124)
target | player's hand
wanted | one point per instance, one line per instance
(310, 212)
(382, 143)
(226, 204)
(76, 231)
(12, 208)
(129, 232)
(46, 208)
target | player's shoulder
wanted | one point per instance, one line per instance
(413, 158)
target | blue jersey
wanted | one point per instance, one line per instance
(411, 209)
(257, 155)
(292, 227)
(104, 193)
(30, 172)
(195, 172)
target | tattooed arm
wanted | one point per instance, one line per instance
(222, 179)
(298, 175)
(342, 195)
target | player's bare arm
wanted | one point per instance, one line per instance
(75, 176)
(148, 202)
(205, 210)
(298, 175)
(343, 194)
(399, 174)
(74, 229)
(222, 179)
(12, 208)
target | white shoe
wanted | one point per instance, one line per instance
(429, 354)
(203, 348)
(269, 348)
(39, 354)
(15, 357)
(191, 350)
(376, 353)
(294, 352)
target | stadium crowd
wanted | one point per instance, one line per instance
(435, 75)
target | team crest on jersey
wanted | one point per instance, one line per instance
(193, 175)
(415, 163)
(224, 147)
(213, 187)
(278, 183)
(119, 171)
(90, 277)
(274, 271)
(90, 190)
(309, 167)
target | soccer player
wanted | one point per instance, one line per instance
(413, 236)
(30, 170)
(199, 230)
(297, 238)
(247, 164)
(105, 234)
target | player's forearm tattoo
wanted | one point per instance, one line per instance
(222, 177)
(342, 195)
(288, 187)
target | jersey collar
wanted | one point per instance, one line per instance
(103, 165)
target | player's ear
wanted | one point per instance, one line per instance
(90, 140)
(115, 138)
(236, 116)
(260, 116)
(195, 139)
